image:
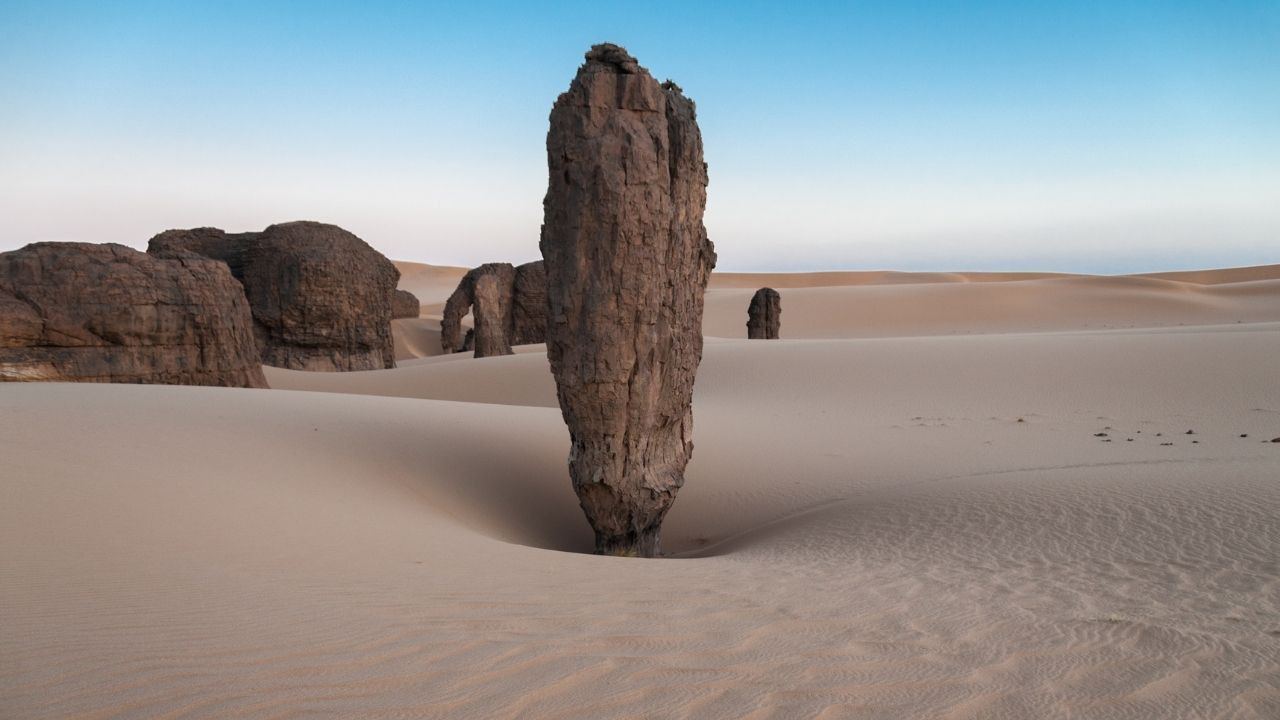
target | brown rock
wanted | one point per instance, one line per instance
(492, 310)
(404, 304)
(519, 295)
(463, 298)
(79, 312)
(456, 308)
(321, 297)
(529, 305)
(627, 262)
(764, 315)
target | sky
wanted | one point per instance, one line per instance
(1104, 137)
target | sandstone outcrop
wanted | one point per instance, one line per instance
(764, 315)
(517, 298)
(404, 304)
(491, 310)
(463, 298)
(320, 296)
(80, 312)
(529, 304)
(627, 261)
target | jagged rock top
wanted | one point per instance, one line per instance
(613, 58)
(627, 260)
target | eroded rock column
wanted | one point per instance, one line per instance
(764, 315)
(492, 310)
(627, 260)
(529, 308)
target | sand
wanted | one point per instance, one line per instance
(889, 514)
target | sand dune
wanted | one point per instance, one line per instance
(878, 527)
(840, 278)
(946, 308)
(897, 304)
(1222, 275)
(416, 337)
(430, 283)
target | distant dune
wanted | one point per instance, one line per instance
(894, 304)
(943, 495)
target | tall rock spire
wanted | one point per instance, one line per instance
(627, 260)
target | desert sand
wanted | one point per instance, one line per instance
(943, 495)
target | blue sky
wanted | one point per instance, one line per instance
(1086, 136)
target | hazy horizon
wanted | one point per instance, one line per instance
(917, 136)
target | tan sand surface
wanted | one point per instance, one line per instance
(881, 525)
(432, 284)
(897, 304)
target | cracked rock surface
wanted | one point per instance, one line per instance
(321, 297)
(764, 315)
(81, 312)
(627, 260)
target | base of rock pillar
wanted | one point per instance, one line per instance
(634, 544)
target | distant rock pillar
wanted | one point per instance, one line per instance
(764, 315)
(627, 260)
(529, 305)
(456, 308)
(492, 310)
(499, 280)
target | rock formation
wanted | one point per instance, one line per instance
(321, 297)
(529, 304)
(404, 304)
(456, 308)
(79, 312)
(491, 303)
(764, 316)
(464, 296)
(518, 299)
(627, 262)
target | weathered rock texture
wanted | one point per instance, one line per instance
(529, 305)
(764, 315)
(404, 304)
(79, 312)
(492, 310)
(516, 298)
(627, 261)
(321, 297)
